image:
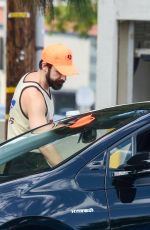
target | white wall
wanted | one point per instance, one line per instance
(81, 56)
(109, 13)
(132, 9)
(107, 54)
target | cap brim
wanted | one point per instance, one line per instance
(67, 70)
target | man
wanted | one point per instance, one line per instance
(32, 103)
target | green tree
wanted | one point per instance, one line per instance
(67, 18)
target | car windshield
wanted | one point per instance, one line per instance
(72, 135)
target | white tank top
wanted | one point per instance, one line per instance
(18, 122)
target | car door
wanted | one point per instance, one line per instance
(129, 194)
(91, 181)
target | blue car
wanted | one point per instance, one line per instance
(102, 181)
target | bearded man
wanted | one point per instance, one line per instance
(32, 102)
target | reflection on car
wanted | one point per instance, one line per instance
(102, 182)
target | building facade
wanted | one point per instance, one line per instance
(123, 57)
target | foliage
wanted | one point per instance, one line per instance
(69, 16)
(75, 16)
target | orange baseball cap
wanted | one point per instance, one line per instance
(60, 57)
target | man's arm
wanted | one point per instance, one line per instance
(33, 105)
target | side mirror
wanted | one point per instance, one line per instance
(137, 163)
(140, 161)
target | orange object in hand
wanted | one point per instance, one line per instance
(82, 121)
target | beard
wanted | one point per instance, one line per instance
(56, 85)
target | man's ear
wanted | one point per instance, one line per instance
(44, 67)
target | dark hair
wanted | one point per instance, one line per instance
(40, 64)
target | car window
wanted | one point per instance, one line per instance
(70, 137)
(26, 164)
(67, 144)
(120, 153)
(143, 141)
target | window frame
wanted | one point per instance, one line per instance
(133, 136)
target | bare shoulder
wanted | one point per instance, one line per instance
(31, 92)
(33, 76)
(32, 100)
(32, 96)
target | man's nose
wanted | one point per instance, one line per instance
(63, 77)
